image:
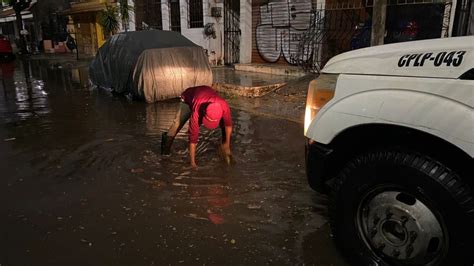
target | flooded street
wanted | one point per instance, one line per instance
(83, 182)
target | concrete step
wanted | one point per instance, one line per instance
(248, 84)
(273, 69)
(251, 92)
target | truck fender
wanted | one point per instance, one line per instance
(433, 114)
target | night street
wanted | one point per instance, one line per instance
(236, 132)
(83, 182)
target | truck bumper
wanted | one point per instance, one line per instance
(318, 162)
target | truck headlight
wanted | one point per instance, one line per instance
(320, 91)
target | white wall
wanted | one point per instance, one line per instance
(214, 47)
(165, 15)
(131, 23)
(246, 29)
(470, 28)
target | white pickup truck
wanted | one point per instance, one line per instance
(390, 136)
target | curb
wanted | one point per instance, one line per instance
(271, 69)
(251, 92)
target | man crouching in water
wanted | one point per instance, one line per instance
(201, 105)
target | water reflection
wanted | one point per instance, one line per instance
(27, 92)
(80, 76)
(159, 117)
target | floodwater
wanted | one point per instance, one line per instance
(82, 183)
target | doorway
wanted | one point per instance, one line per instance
(175, 16)
(231, 31)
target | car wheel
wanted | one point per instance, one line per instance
(401, 208)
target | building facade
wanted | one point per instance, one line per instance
(9, 26)
(291, 32)
(309, 32)
(222, 27)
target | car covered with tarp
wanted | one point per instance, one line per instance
(152, 65)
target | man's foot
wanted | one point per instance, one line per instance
(166, 142)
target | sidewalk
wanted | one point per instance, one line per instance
(278, 96)
(247, 84)
(273, 69)
(286, 102)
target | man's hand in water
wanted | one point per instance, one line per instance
(225, 146)
(225, 149)
(226, 153)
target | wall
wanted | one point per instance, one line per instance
(246, 28)
(165, 14)
(131, 24)
(214, 47)
(85, 26)
(470, 28)
(99, 32)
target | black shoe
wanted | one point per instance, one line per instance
(166, 142)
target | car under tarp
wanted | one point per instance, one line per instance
(153, 65)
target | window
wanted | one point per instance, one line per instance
(195, 14)
(148, 14)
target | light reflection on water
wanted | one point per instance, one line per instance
(160, 116)
(27, 92)
(29, 85)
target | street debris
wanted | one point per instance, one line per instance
(85, 241)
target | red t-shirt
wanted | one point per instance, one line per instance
(195, 97)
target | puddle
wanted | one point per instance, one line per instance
(93, 160)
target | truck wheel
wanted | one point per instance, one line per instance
(402, 208)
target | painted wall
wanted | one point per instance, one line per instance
(246, 29)
(165, 14)
(86, 32)
(131, 23)
(214, 47)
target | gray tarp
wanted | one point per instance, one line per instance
(152, 65)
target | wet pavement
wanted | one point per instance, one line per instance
(82, 183)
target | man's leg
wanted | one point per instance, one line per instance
(183, 114)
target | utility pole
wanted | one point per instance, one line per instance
(379, 15)
(18, 6)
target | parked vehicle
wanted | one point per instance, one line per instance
(390, 136)
(6, 50)
(153, 65)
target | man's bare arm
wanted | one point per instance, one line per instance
(192, 154)
(226, 141)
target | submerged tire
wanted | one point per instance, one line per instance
(402, 208)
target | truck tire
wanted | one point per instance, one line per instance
(402, 208)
